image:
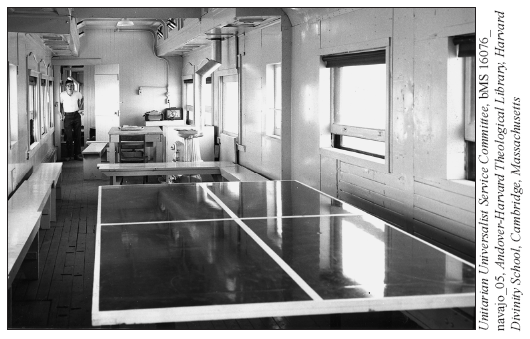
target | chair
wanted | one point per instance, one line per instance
(132, 149)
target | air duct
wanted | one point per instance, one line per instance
(200, 79)
(211, 64)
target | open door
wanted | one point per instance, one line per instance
(107, 99)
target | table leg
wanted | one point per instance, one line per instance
(112, 152)
(158, 151)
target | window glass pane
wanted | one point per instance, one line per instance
(13, 106)
(277, 122)
(207, 100)
(278, 87)
(364, 145)
(469, 98)
(230, 107)
(49, 99)
(43, 107)
(32, 109)
(189, 94)
(360, 99)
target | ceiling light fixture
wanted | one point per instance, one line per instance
(125, 23)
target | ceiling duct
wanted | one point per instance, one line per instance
(211, 64)
(125, 23)
(217, 24)
(246, 22)
(200, 79)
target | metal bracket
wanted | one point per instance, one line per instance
(241, 148)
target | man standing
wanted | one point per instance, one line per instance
(71, 110)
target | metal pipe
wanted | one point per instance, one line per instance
(153, 34)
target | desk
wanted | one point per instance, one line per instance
(153, 137)
(231, 250)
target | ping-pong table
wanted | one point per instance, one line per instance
(232, 250)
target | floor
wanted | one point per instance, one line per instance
(61, 298)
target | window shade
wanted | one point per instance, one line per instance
(355, 59)
(466, 45)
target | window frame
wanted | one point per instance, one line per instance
(35, 112)
(50, 102)
(470, 117)
(273, 112)
(465, 80)
(12, 103)
(208, 110)
(43, 109)
(222, 80)
(339, 130)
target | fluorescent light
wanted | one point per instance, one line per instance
(125, 23)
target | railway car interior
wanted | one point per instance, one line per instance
(242, 168)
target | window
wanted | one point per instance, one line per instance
(230, 105)
(274, 99)
(12, 104)
(188, 88)
(43, 107)
(207, 101)
(33, 108)
(49, 103)
(465, 58)
(360, 102)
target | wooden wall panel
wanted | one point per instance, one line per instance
(418, 185)
(382, 189)
(253, 103)
(371, 195)
(454, 199)
(427, 216)
(356, 26)
(19, 47)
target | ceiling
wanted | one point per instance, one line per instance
(61, 29)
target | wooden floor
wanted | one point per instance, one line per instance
(62, 297)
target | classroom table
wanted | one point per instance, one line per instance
(231, 250)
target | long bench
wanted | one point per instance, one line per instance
(230, 171)
(32, 206)
(49, 174)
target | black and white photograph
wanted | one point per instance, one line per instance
(257, 168)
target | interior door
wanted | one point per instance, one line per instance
(107, 100)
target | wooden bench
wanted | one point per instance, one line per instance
(23, 244)
(49, 174)
(32, 206)
(92, 156)
(22, 250)
(32, 197)
(232, 171)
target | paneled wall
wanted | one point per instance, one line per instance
(139, 67)
(418, 193)
(257, 49)
(26, 53)
(262, 152)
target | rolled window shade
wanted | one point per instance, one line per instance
(466, 45)
(355, 59)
